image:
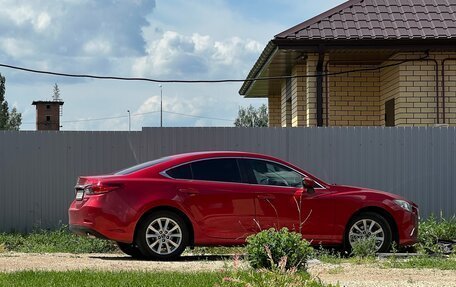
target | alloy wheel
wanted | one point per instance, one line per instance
(367, 228)
(163, 235)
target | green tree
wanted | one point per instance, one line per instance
(56, 95)
(252, 117)
(8, 120)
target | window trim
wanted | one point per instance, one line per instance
(165, 174)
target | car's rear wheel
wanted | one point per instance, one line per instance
(130, 249)
(366, 225)
(162, 235)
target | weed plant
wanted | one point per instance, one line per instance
(268, 248)
(364, 247)
(433, 229)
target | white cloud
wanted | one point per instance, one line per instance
(15, 48)
(42, 22)
(26, 15)
(18, 14)
(171, 104)
(196, 55)
(97, 47)
(72, 36)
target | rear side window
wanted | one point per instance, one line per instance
(225, 170)
(142, 166)
(181, 172)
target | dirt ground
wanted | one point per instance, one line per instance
(12, 262)
(350, 275)
(353, 275)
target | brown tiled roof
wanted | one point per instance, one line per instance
(380, 19)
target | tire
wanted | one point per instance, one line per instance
(377, 226)
(130, 249)
(162, 235)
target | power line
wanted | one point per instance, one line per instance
(205, 81)
(201, 117)
(99, 119)
(134, 115)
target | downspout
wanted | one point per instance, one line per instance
(443, 87)
(437, 88)
(321, 58)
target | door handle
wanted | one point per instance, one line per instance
(189, 191)
(266, 196)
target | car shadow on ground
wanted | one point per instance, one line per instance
(183, 258)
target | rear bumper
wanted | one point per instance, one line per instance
(92, 216)
(85, 231)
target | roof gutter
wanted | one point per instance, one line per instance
(263, 61)
(313, 45)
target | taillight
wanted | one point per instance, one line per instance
(101, 187)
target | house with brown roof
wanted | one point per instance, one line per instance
(362, 63)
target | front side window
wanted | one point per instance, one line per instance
(269, 173)
(225, 170)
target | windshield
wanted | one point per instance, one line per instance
(142, 166)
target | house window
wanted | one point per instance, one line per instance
(389, 113)
(48, 107)
(48, 118)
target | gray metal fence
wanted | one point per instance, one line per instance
(38, 169)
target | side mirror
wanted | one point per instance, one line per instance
(308, 184)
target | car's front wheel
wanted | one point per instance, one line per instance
(369, 225)
(162, 235)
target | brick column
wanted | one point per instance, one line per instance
(311, 90)
(274, 111)
(298, 97)
(285, 106)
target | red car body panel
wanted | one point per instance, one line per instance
(225, 213)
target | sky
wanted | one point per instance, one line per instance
(172, 39)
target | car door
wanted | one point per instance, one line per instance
(215, 197)
(276, 189)
(282, 201)
(318, 211)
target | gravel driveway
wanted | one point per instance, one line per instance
(353, 275)
(345, 274)
(12, 262)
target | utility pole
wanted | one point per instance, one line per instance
(161, 105)
(129, 120)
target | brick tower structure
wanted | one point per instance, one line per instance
(48, 115)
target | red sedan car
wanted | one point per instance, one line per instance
(158, 208)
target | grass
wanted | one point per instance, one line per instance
(216, 250)
(441, 228)
(432, 229)
(197, 279)
(90, 278)
(423, 262)
(417, 262)
(61, 240)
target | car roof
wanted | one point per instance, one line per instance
(203, 154)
